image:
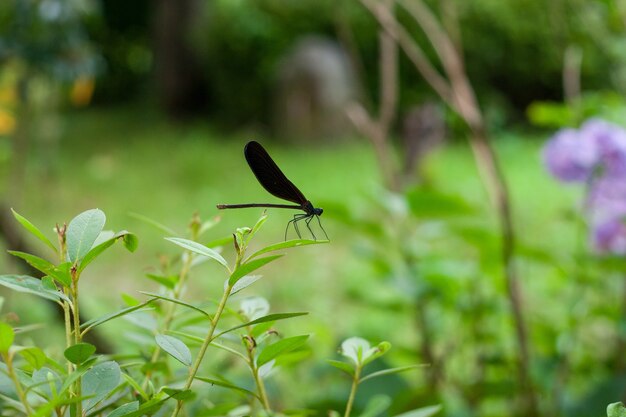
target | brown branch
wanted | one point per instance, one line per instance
(458, 93)
(417, 56)
(377, 129)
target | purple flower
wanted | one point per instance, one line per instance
(610, 237)
(570, 157)
(610, 142)
(606, 200)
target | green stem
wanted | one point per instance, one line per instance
(207, 341)
(8, 359)
(77, 339)
(169, 316)
(258, 381)
(355, 384)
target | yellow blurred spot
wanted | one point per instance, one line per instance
(7, 122)
(82, 91)
(8, 95)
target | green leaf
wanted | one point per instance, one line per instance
(167, 282)
(98, 249)
(34, 261)
(153, 223)
(34, 356)
(147, 409)
(62, 274)
(82, 232)
(88, 325)
(257, 226)
(79, 352)
(344, 366)
(381, 349)
(7, 335)
(99, 381)
(244, 282)
(33, 230)
(250, 266)
(285, 245)
(126, 408)
(226, 384)
(130, 241)
(264, 319)
(30, 285)
(179, 394)
(616, 410)
(391, 371)
(422, 412)
(176, 301)
(135, 386)
(282, 346)
(176, 348)
(376, 406)
(198, 248)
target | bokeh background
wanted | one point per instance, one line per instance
(417, 125)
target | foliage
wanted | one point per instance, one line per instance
(38, 382)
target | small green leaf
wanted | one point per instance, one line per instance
(175, 301)
(264, 319)
(33, 230)
(380, 350)
(285, 245)
(88, 325)
(7, 335)
(616, 410)
(179, 394)
(130, 241)
(250, 266)
(99, 381)
(391, 371)
(198, 248)
(95, 251)
(30, 285)
(244, 282)
(126, 408)
(176, 348)
(257, 226)
(226, 384)
(282, 346)
(34, 356)
(167, 282)
(422, 412)
(79, 352)
(344, 366)
(82, 232)
(135, 386)
(148, 408)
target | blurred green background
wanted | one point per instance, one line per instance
(145, 106)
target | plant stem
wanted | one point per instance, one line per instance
(169, 316)
(8, 359)
(207, 341)
(77, 338)
(355, 384)
(258, 381)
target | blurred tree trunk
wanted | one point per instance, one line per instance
(178, 76)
